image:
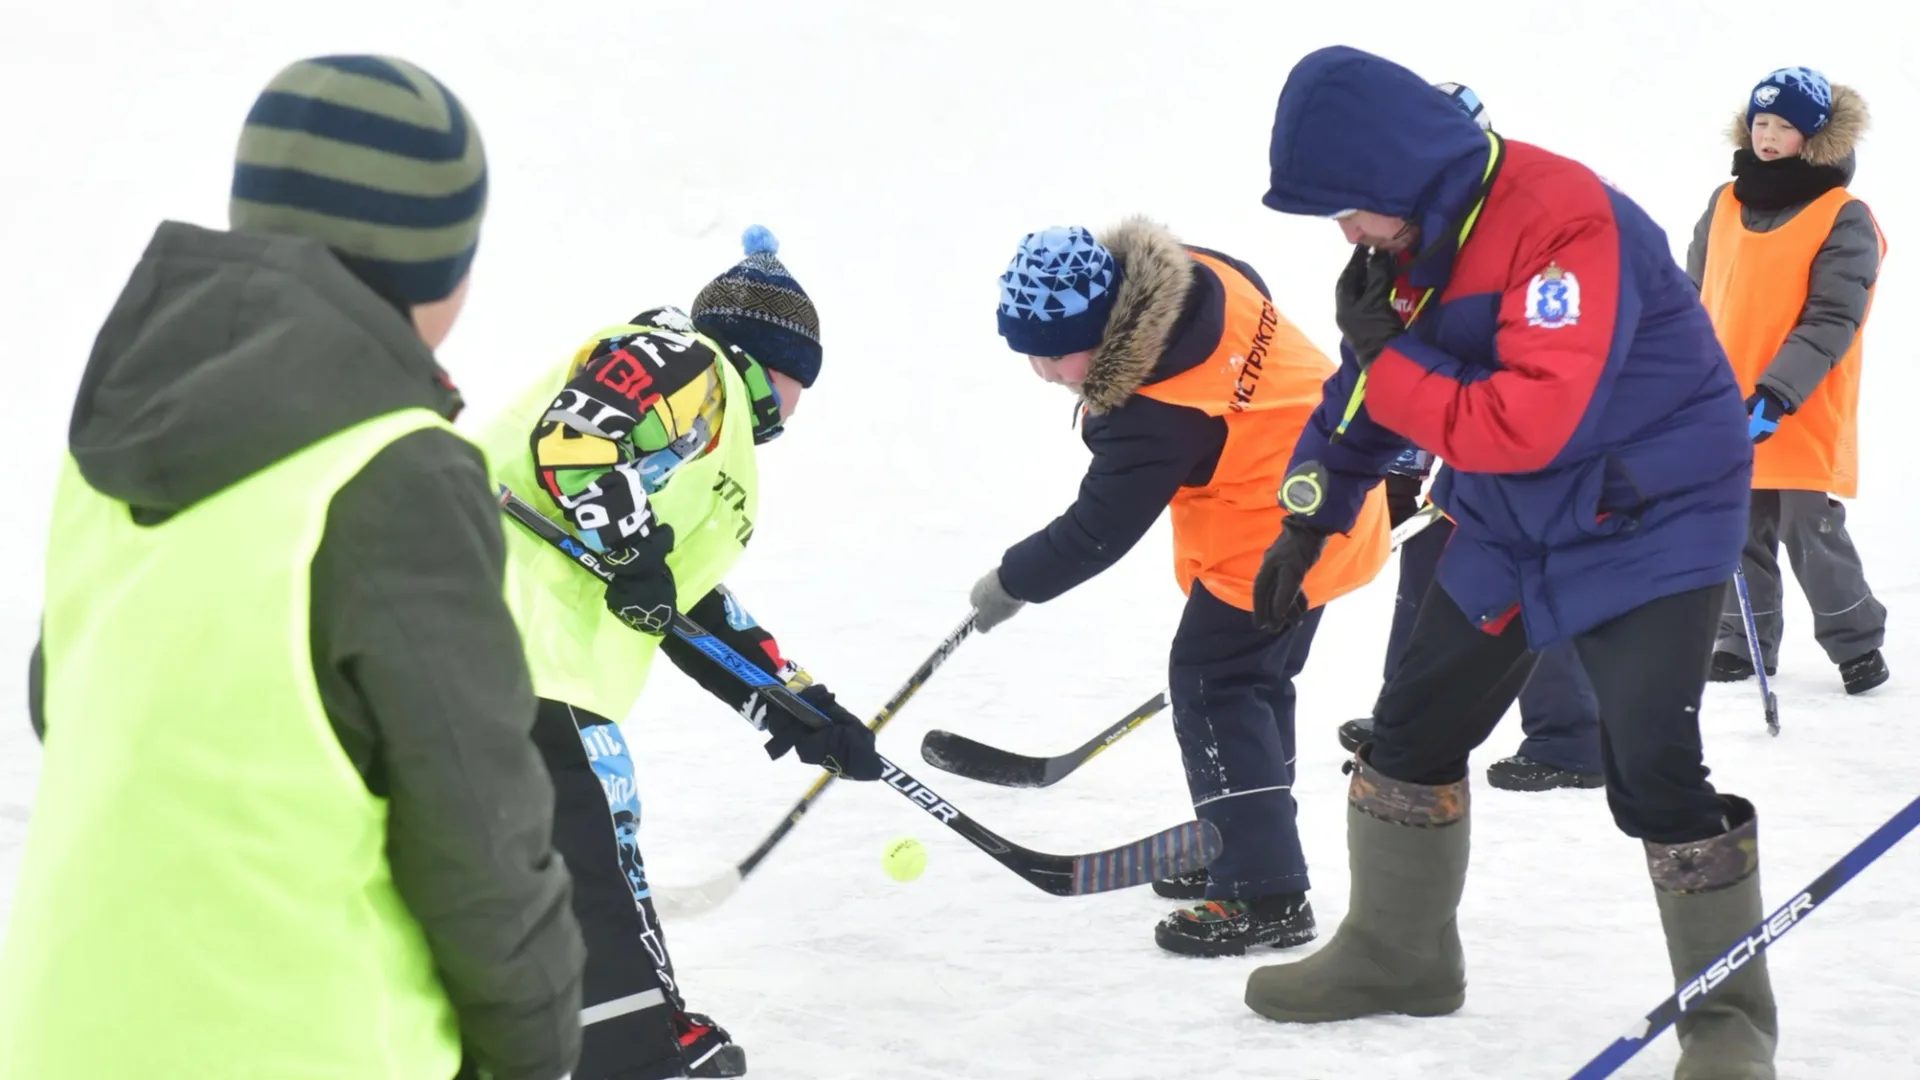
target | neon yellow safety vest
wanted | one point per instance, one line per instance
(205, 891)
(577, 650)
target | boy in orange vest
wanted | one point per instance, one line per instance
(1786, 261)
(1193, 391)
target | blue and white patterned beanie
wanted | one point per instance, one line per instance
(1057, 292)
(1800, 96)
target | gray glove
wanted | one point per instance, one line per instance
(992, 605)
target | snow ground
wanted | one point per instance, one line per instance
(900, 151)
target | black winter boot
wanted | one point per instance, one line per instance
(707, 1049)
(1355, 732)
(1863, 673)
(1733, 667)
(1232, 927)
(1191, 886)
(1519, 773)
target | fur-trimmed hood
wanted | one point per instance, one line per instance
(1831, 145)
(1158, 272)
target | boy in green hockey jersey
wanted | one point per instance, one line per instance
(643, 444)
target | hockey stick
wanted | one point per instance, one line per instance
(1751, 944)
(693, 899)
(1168, 853)
(962, 756)
(1413, 526)
(975, 760)
(1771, 703)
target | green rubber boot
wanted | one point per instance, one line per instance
(1709, 896)
(1398, 949)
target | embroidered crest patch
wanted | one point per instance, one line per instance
(1553, 298)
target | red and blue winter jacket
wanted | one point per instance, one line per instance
(1563, 366)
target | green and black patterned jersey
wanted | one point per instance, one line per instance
(637, 406)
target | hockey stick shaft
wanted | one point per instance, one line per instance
(682, 627)
(1751, 944)
(1099, 744)
(1768, 702)
(1172, 851)
(1413, 526)
(900, 697)
(989, 764)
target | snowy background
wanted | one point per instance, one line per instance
(899, 151)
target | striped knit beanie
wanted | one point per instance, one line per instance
(758, 306)
(374, 158)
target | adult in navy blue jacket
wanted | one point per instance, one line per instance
(1510, 311)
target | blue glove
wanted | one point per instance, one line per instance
(1764, 410)
(844, 747)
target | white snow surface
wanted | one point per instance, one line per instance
(899, 152)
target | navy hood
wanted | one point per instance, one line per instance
(1355, 131)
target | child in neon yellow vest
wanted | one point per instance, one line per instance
(643, 444)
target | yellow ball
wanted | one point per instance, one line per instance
(905, 859)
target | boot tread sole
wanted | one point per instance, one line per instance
(1442, 1005)
(1185, 946)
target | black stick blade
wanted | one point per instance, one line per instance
(962, 756)
(975, 760)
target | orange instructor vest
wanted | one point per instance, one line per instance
(1264, 379)
(1755, 287)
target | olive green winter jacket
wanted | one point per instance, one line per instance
(226, 353)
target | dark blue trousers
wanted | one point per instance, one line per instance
(1233, 702)
(1559, 712)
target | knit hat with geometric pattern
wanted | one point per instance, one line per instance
(758, 306)
(374, 158)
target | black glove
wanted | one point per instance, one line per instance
(1363, 304)
(1764, 410)
(1278, 600)
(641, 593)
(844, 747)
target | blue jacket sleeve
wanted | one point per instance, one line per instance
(1143, 453)
(1355, 460)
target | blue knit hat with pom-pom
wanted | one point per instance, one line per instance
(1057, 292)
(758, 306)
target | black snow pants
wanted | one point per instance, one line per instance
(1648, 669)
(629, 1000)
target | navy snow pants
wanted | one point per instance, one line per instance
(1233, 703)
(1558, 710)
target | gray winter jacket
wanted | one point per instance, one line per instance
(226, 353)
(1847, 265)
